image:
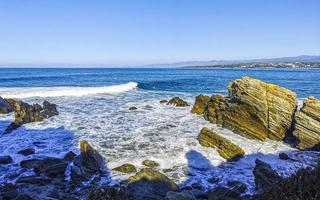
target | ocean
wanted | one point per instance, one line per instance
(94, 106)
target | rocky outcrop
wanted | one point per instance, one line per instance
(253, 109)
(5, 106)
(177, 101)
(126, 168)
(307, 124)
(200, 104)
(26, 113)
(150, 184)
(265, 176)
(226, 148)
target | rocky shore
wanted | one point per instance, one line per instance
(253, 109)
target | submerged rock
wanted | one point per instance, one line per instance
(284, 156)
(307, 124)
(254, 109)
(200, 104)
(5, 106)
(150, 163)
(126, 168)
(5, 159)
(26, 152)
(150, 184)
(177, 101)
(264, 176)
(226, 148)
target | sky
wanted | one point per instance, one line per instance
(140, 32)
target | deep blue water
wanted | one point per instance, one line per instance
(304, 82)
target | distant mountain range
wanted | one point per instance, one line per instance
(300, 59)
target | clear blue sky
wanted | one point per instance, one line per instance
(134, 32)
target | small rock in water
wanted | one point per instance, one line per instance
(133, 108)
(5, 159)
(177, 101)
(150, 163)
(27, 151)
(284, 156)
(197, 186)
(213, 179)
(126, 168)
(163, 101)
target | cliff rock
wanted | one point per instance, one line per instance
(254, 109)
(307, 124)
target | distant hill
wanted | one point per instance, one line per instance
(302, 58)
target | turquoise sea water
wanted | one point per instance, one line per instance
(94, 106)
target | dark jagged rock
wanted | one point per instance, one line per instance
(5, 106)
(307, 124)
(265, 176)
(238, 186)
(183, 195)
(26, 113)
(177, 101)
(126, 168)
(9, 191)
(253, 109)
(89, 158)
(69, 156)
(26, 152)
(85, 165)
(5, 159)
(200, 104)
(150, 184)
(226, 148)
(34, 180)
(150, 163)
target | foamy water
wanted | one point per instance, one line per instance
(155, 131)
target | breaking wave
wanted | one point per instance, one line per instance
(64, 91)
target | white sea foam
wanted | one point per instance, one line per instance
(64, 91)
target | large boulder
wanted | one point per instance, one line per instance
(253, 109)
(307, 124)
(177, 101)
(265, 177)
(227, 150)
(200, 104)
(5, 106)
(150, 184)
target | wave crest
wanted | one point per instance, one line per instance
(20, 93)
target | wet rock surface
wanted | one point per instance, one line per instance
(226, 149)
(307, 124)
(5, 106)
(126, 168)
(150, 163)
(27, 152)
(5, 159)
